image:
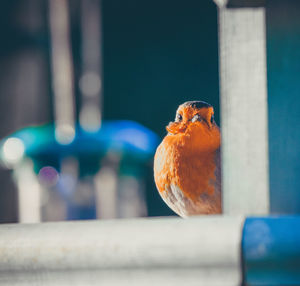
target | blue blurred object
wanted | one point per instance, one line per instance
(271, 251)
(69, 172)
(126, 137)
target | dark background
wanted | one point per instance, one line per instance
(283, 57)
(156, 55)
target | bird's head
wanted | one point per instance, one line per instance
(195, 119)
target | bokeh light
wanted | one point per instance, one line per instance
(48, 176)
(13, 151)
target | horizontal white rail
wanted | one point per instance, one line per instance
(169, 251)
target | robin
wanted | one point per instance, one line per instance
(187, 162)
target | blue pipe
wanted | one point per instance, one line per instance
(271, 250)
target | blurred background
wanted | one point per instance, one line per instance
(86, 89)
(88, 86)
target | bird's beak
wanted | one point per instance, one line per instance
(175, 127)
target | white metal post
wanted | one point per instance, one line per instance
(62, 71)
(242, 49)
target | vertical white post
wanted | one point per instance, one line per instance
(29, 193)
(106, 183)
(242, 51)
(90, 82)
(62, 71)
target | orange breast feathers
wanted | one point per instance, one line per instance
(187, 162)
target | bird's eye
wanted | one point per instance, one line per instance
(178, 117)
(212, 119)
(197, 117)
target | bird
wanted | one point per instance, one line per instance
(187, 162)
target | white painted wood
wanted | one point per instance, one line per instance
(244, 111)
(171, 251)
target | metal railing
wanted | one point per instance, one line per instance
(162, 251)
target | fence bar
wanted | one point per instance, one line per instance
(271, 251)
(62, 71)
(91, 80)
(171, 251)
(243, 109)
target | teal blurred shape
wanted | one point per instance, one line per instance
(283, 69)
(126, 146)
(127, 138)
